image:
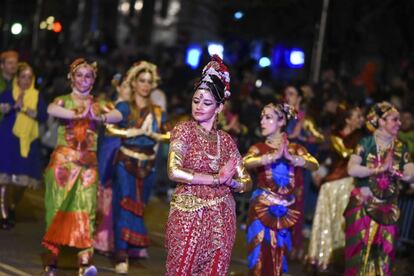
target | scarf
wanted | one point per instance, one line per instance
(25, 127)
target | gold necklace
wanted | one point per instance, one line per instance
(275, 142)
(214, 159)
(208, 135)
(381, 145)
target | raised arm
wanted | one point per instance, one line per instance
(254, 159)
(60, 112)
(111, 117)
(160, 137)
(339, 147)
(175, 169)
(408, 173)
(242, 180)
(300, 157)
(177, 173)
(355, 169)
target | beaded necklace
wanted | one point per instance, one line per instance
(214, 159)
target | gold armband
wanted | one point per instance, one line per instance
(309, 125)
(112, 129)
(310, 162)
(243, 178)
(175, 169)
(252, 160)
(339, 146)
(191, 203)
(161, 137)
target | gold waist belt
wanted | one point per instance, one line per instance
(137, 155)
(191, 203)
(275, 198)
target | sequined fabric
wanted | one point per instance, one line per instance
(328, 228)
(341, 148)
(270, 220)
(200, 242)
(327, 239)
(371, 221)
(369, 246)
(133, 178)
(71, 184)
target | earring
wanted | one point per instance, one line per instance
(216, 121)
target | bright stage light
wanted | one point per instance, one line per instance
(16, 28)
(124, 7)
(193, 56)
(50, 20)
(57, 27)
(238, 15)
(264, 62)
(215, 49)
(43, 25)
(295, 58)
(138, 5)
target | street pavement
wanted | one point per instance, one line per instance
(20, 248)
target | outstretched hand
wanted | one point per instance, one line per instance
(132, 132)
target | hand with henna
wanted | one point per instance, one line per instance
(227, 171)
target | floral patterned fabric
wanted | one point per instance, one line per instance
(71, 180)
(371, 222)
(200, 242)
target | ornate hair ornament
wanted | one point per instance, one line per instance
(82, 62)
(142, 66)
(343, 106)
(378, 111)
(213, 71)
(288, 110)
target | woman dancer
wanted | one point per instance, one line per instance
(380, 161)
(20, 166)
(201, 226)
(141, 128)
(328, 236)
(108, 145)
(271, 213)
(301, 130)
(71, 177)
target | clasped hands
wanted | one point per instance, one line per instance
(387, 166)
(6, 108)
(226, 173)
(145, 129)
(283, 152)
(88, 112)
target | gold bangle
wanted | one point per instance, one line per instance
(216, 179)
(266, 159)
(240, 188)
(295, 160)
